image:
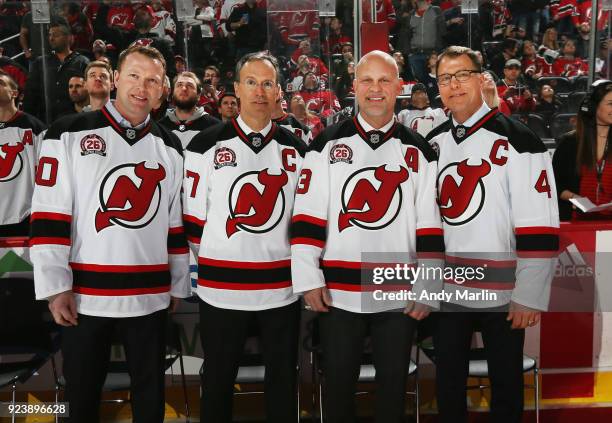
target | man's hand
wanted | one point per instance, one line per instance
(318, 299)
(174, 303)
(63, 308)
(417, 311)
(522, 316)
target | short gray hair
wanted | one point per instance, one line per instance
(261, 56)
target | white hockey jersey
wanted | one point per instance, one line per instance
(362, 192)
(106, 216)
(19, 143)
(422, 121)
(185, 130)
(238, 200)
(300, 130)
(498, 202)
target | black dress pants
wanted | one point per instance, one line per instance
(86, 352)
(342, 339)
(223, 334)
(504, 352)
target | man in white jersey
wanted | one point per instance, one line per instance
(107, 244)
(20, 137)
(419, 116)
(367, 186)
(497, 199)
(186, 119)
(240, 181)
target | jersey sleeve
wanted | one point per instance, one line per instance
(178, 251)
(534, 211)
(51, 219)
(198, 167)
(423, 166)
(309, 222)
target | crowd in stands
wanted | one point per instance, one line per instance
(535, 51)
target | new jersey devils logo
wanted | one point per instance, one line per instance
(11, 161)
(371, 198)
(130, 196)
(462, 191)
(256, 202)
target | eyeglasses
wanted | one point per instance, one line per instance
(251, 84)
(461, 76)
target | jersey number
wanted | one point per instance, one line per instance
(196, 181)
(304, 181)
(46, 172)
(542, 185)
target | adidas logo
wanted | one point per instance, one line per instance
(571, 264)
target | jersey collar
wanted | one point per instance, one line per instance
(130, 134)
(252, 139)
(462, 131)
(374, 137)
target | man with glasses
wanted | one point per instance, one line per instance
(240, 180)
(186, 119)
(496, 192)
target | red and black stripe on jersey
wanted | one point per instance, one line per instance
(193, 228)
(177, 241)
(308, 230)
(119, 280)
(21, 229)
(237, 275)
(98, 119)
(50, 228)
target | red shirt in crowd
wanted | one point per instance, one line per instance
(563, 66)
(588, 189)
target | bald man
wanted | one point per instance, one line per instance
(366, 193)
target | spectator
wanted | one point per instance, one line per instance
(140, 32)
(385, 12)
(582, 160)
(549, 40)
(32, 44)
(547, 103)
(98, 81)
(248, 21)
(319, 101)
(99, 49)
(509, 51)
(117, 15)
(562, 12)
(163, 24)
(344, 86)
(501, 18)
(288, 121)
(12, 68)
(525, 18)
(512, 89)
(316, 64)
(430, 81)
(512, 76)
(181, 64)
(46, 94)
(404, 71)
(491, 97)
(457, 26)
(531, 63)
(211, 90)
(336, 37)
(568, 64)
(202, 33)
(228, 106)
(78, 93)
(340, 64)
(295, 26)
(419, 116)
(160, 107)
(301, 112)
(186, 119)
(80, 25)
(427, 31)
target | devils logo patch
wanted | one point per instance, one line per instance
(11, 162)
(256, 202)
(462, 192)
(372, 198)
(130, 195)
